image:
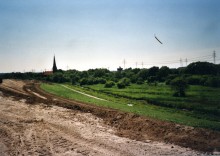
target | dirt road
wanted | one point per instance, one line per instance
(42, 130)
(35, 128)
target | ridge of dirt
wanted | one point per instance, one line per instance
(130, 125)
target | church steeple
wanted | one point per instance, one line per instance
(54, 65)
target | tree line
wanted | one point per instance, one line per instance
(197, 73)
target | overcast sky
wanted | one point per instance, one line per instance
(86, 34)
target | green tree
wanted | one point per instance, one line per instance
(118, 73)
(100, 72)
(143, 74)
(84, 74)
(201, 68)
(179, 85)
(153, 71)
(163, 73)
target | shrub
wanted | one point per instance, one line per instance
(74, 79)
(179, 85)
(83, 81)
(194, 80)
(58, 78)
(170, 78)
(126, 81)
(140, 81)
(109, 84)
(203, 80)
(168, 81)
(90, 81)
(151, 79)
(213, 82)
(121, 85)
(99, 81)
(134, 79)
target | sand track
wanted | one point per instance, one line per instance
(31, 125)
(41, 130)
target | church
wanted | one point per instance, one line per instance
(54, 69)
(54, 65)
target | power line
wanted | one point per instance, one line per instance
(166, 60)
(180, 62)
(208, 58)
(177, 61)
(200, 58)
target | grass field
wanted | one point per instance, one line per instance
(199, 109)
(199, 98)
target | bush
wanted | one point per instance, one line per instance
(121, 85)
(126, 81)
(203, 80)
(179, 85)
(58, 78)
(83, 81)
(167, 82)
(170, 78)
(140, 81)
(74, 79)
(109, 84)
(90, 81)
(213, 82)
(194, 80)
(99, 81)
(151, 79)
(134, 79)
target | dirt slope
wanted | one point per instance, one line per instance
(83, 129)
(42, 130)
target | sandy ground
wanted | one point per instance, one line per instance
(42, 130)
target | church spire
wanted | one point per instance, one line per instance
(54, 65)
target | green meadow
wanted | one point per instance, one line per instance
(200, 107)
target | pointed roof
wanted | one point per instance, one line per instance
(54, 65)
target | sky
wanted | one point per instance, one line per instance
(86, 34)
